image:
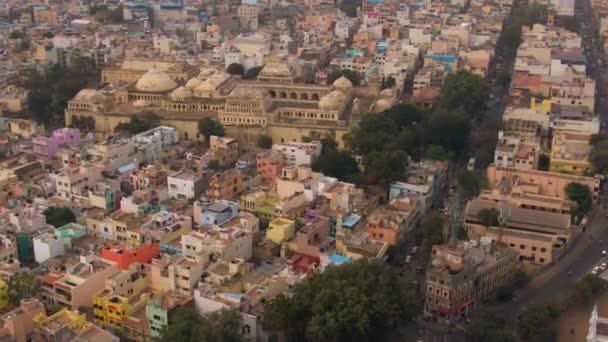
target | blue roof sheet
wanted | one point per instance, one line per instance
(338, 259)
(351, 220)
(127, 168)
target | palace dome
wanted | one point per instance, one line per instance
(333, 100)
(382, 104)
(193, 83)
(155, 81)
(181, 94)
(343, 83)
(204, 87)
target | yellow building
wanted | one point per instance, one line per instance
(280, 230)
(3, 294)
(277, 105)
(570, 152)
(47, 325)
(540, 105)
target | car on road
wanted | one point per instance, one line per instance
(408, 259)
(415, 249)
(604, 252)
(419, 270)
(604, 265)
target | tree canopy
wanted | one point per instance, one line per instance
(431, 230)
(264, 142)
(252, 73)
(489, 217)
(373, 300)
(22, 285)
(187, 325)
(235, 69)
(536, 324)
(50, 94)
(209, 126)
(489, 328)
(599, 153)
(581, 195)
(469, 183)
(464, 90)
(59, 216)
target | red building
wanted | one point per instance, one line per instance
(125, 257)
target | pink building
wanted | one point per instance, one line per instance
(313, 238)
(67, 136)
(46, 147)
(269, 165)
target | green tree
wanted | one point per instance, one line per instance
(489, 217)
(434, 152)
(570, 23)
(388, 82)
(235, 69)
(264, 142)
(187, 325)
(535, 323)
(386, 166)
(462, 233)
(115, 16)
(339, 164)
(522, 278)
(59, 216)
(448, 129)
(252, 73)
(350, 7)
(16, 35)
(374, 301)
(464, 90)
(489, 328)
(209, 126)
(431, 228)
(22, 285)
(581, 195)
(139, 123)
(469, 184)
(599, 153)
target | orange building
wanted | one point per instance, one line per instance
(125, 257)
(225, 185)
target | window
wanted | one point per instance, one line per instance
(534, 248)
(543, 249)
(522, 246)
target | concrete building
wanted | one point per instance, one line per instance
(226, 150)
(80, 282)
(299, 153)
(269, 165)
(280, 230)
(461, 276)
(18, 324)
(124, 257)
(185, 185)
(225, 185)
(570, 152)
(47, 246)
(539, 237)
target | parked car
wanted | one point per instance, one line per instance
(408, 259)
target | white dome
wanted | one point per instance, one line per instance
(155, 81)
(383, 104)
(193, 83)
(204, 87)
(343, 83)
(276, 70)
(332, 100)
(206, 73)
(217, 79)
(388, 92)
(181, 94)
(89, 95)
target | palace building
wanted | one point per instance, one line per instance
(275, 104)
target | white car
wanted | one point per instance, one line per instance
(604, 252)
(604, 265)
(408, 259)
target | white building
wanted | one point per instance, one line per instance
(47, 246)
(296, 153)
(150, 143)
(184, 185)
